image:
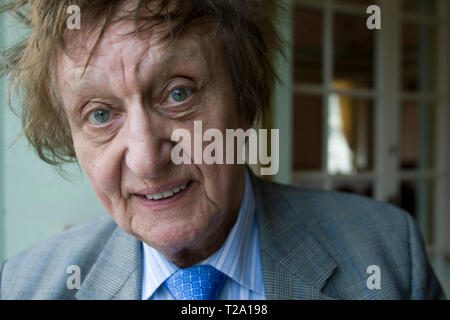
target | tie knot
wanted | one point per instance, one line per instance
(201, 282)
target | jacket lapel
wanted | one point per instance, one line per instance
(117, 273)
(294, 265)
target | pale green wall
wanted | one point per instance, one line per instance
(2, 189)
(282, 117)
(37, 201)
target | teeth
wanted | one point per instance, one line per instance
(166, 194)
(157, 196)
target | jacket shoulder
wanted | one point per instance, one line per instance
(338, 206)
(41, 271)
(357, 233)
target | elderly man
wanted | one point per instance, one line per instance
(110, 94)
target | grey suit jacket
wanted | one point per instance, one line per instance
(313, 245)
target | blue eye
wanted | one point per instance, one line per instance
(180, 95)
(99, 116)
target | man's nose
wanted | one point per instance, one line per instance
(148, 148)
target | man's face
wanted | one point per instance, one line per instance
(135, 92)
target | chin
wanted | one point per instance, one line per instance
(167, 237)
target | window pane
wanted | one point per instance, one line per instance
(307, 132)
(353, 51)
(350, 147)
(308, 45)
(417, 145)
(419, 57)
(361, 187)
(420, 6)
(416, 197)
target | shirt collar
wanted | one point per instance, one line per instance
(231, 258)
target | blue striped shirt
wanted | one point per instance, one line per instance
(238, 258)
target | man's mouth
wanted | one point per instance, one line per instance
(166, 194)
(170, 193)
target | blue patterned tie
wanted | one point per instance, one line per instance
(201, 282)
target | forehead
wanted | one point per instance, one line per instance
(134, 56)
